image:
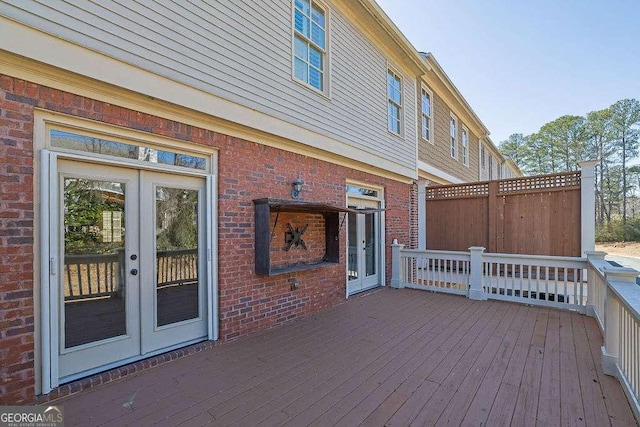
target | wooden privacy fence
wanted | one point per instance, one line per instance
(537, 215)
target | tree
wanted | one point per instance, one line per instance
(566, 139)
(625, 123)
(516, 147)
(611, 136)
(600, 137)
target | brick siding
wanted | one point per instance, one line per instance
(247, 171)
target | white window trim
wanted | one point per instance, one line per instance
(455, 147)
(431, 138)
(326, 72)
(392, 69)
(465, 147)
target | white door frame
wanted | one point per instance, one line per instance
(352, 199)
(49, 262)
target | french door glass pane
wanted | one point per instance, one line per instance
(352, 262)
(177, 276)
(94, 240)
(370, 244)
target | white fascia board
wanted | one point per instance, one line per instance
(422, 166)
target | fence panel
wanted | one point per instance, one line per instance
(533, 215)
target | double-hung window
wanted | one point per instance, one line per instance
(465, 146)
(453, 135)
(426, 114)
(394, 102)
(310, 43)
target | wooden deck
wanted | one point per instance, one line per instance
(392, 357)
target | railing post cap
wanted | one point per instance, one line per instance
(477, 249)
(587, 163)
(395, 244)
(621, 274)
(595, 254)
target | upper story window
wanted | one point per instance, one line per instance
(310, 42)
(453, 135)
(426, 114)
(394, 104)
(465, 146)
(482, 157)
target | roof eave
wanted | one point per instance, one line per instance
(394, 32)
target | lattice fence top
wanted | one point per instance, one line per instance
(561, 181)
(567, 181)
(456, 191)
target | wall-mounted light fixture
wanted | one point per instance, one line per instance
(297, 188)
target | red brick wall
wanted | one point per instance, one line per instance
(313, 237)
(247, 171)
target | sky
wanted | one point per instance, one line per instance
(523, 63)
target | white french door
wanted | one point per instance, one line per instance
(172, 226)
(132, 264)
(363, 261)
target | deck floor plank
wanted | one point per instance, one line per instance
(571, 407)
(494, 355)
(323, 410)
(549, 400)
(390, 357)
(456, 366)
(291, 384)
(407, 375)
(526, 409)
(504, 403)
(595, 410)
(276, 409)
(483, 398)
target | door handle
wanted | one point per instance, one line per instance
(134, 272)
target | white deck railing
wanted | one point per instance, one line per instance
(614, 300)
(588, 285)
(442, 271)
(534, 279)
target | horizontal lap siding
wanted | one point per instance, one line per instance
(438, 154)
(241, 53)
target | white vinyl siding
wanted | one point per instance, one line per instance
(426, 109)
(453, 135)
(394, 102)
(241, 51)
(309, 41)
(490, 167)
(465, 146)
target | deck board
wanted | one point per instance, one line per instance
(391, 357)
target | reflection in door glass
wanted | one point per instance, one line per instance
(93, 280)
(370, 251)
(176, 255)
(352, 262)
